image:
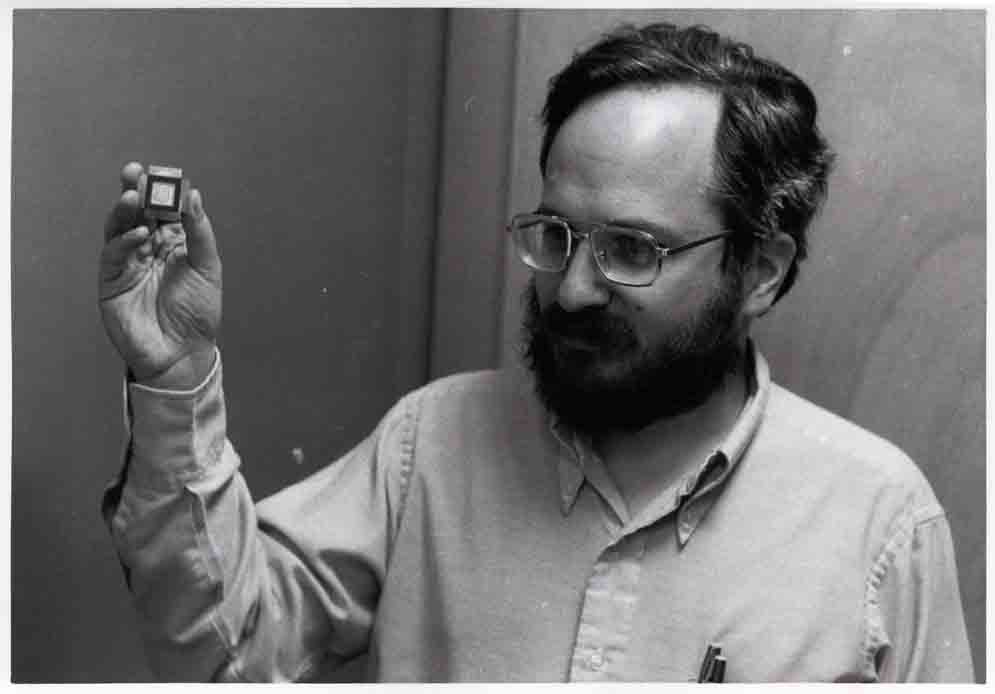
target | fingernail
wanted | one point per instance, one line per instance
(197, 204)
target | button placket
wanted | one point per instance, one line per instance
(607, 612)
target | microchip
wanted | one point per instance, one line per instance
(162, 193)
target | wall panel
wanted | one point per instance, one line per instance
(479, 97)
(314, 138)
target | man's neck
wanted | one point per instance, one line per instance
(655, 458)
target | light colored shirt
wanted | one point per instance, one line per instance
(467, 539)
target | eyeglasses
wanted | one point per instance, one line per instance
(631, 257)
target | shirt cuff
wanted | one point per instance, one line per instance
(176, 435)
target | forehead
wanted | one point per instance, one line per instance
(645, 152)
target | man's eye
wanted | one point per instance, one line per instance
(632, 249)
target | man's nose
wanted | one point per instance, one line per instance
(582, 285)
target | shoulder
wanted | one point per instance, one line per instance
(431, 419)
(827, 447)
(493, 391)
(852, 491)
(800, 422)
(484, 383)
(466, 402)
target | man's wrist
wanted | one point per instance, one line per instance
(176, 430)
(186, 374)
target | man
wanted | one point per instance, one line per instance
(647, 495)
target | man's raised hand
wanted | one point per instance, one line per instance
(160, 289)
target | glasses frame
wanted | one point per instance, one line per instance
(581, 230)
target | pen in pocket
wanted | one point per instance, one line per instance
(713, 666)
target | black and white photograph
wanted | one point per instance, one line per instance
(498, 344)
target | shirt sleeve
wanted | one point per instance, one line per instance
(228, 590)
(915, 621)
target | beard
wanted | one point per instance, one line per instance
(593, 373)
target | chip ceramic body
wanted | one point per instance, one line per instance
(161, 192)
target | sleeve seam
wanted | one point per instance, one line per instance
(412, 416)
(209, 557)
(905, 528)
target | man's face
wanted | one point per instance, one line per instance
(609, 357)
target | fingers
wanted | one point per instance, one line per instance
(166, 238)
(125, 262)
(124, 236)
(137, 241)
(123, 216)
(130, 174)
(202, 249)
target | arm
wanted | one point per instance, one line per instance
(223, 591)
(916, 630)
(229, 591)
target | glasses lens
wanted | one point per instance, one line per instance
(543, 244)
(626, 256)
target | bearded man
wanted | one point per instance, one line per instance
(648, 505)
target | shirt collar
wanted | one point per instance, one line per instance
(701, 490)
(694, 493)
(571, 467)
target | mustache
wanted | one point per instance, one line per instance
(588, 324)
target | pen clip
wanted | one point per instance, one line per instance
(711, 652)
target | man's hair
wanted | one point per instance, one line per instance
(771, 162)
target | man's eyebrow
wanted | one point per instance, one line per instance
(668, 233)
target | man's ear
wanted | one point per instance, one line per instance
(772, 256)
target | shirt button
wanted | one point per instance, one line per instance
(596, 660)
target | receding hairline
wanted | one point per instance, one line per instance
(714, 92)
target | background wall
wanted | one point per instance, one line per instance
(359, 166)
(314, 138)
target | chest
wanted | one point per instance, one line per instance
(490, 581)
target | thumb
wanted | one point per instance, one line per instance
(202, 248)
